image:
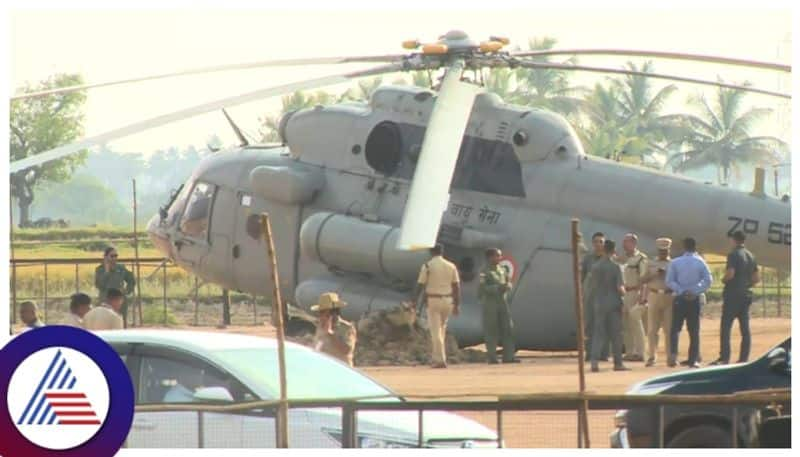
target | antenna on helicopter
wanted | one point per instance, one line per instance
(242, 140)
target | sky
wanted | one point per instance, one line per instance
(114, 44)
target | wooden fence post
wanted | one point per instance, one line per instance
(277, 308)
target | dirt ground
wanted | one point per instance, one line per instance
(545, 372)
(551, 372)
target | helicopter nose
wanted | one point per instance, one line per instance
(158, 236)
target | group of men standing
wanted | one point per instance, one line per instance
(113, 282)
(629, 299)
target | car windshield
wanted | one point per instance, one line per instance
(309, 375)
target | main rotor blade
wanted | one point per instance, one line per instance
(186, 113)
(430, 187)
(216, 69)
(659, 55)
(706, 82)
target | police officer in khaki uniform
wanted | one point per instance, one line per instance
(634, 267)
(658, 298)
(439, 279)
(335, 336)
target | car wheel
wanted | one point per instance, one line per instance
(701, 436)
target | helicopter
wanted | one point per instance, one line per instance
(356, 192)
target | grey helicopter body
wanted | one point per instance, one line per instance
(336, 196)
(359, 190)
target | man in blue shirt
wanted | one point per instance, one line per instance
(688, 277)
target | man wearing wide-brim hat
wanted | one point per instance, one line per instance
(335, 336)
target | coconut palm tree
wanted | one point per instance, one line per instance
(722, 136)
(547, 88)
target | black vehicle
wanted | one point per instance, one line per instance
(689, 426)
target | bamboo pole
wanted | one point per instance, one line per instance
(138, 267)
(282, 429)
(583, 412)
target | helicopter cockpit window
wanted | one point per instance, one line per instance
(194, 222)
(384, 148)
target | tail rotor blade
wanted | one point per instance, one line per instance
(430, 188)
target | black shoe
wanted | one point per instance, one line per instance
(621, 368)
(514, 360)
(719, 362)
(684, 363)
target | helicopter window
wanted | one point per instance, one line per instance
(384, 148)
(194, 222)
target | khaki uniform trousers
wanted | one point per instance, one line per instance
(439, 310)
(659, 316)
(632, 324)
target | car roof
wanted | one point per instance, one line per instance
(191, 340)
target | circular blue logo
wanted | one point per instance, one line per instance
(67, 394)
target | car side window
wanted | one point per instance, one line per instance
(167, 380)
(196, 217)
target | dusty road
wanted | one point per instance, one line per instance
(545, 372)
(551, 372)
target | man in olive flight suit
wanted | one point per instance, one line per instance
(607, 290)
(493, 295)
(589, 259)
(111, 275)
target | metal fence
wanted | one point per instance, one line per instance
(532, 421)
(168, 294)
(172, 296)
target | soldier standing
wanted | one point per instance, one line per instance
(439, 279)
(598, 240)
(335, 336)
(607, 291)
(111, 275)
(634, 263)
(741, 273)
(493, 295)
(658, 298)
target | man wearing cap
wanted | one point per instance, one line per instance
(658, 298)
(438, 278)
(634, 267)
(493, 295)
(335, 336)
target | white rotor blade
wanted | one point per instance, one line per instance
(215, 69)
(659, 55)
(704, 82)
(430, 187)
(186, 113)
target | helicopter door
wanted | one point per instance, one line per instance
(192, 240)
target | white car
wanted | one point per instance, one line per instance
(169, 366)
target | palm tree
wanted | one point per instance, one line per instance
(721, 136)
(625, 118)
(547, 88)
(295, 101)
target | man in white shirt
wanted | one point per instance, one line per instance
(79, 305)
(107, 316)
